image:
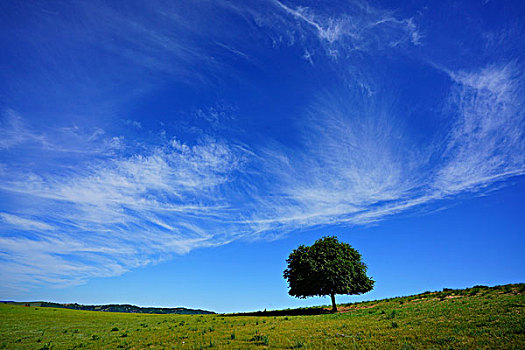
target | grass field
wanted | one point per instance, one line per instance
(475, 318)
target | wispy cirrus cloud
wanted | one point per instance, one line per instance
(80, 202)
(487, 139)
(356, 164)
(330, 31)
(13, 131)
(24, 223)
(119, 213)
(90, 56)
(350, 160)
(359, 164)
(16, 132)
(360, 26)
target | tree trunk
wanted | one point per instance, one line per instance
(334, 306)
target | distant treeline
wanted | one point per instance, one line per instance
(114, 308)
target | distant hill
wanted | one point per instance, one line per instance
(114, 308)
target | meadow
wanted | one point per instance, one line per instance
(474, 318)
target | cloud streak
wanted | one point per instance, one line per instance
(84, 202)
(23, 223)
(354, 166)
(119, 213)
(359, 27)
(487, 140)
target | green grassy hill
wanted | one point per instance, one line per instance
(474, 318)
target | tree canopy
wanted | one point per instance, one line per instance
(328, 267)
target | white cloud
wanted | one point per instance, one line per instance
(14, 132)
(355, 160)
(356, 164)
(487, 141)
(359, 27)
(24, 223)
(123, 205)
(359, 165)
(121, 213)
(330, 31)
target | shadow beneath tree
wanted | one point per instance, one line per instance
(288, 312)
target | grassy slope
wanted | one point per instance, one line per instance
(461, 319)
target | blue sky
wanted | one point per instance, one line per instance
(174, 153)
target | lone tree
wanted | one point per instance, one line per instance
(328, 267)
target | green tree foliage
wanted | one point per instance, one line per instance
(328, 267)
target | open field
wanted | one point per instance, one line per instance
(481, 317)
